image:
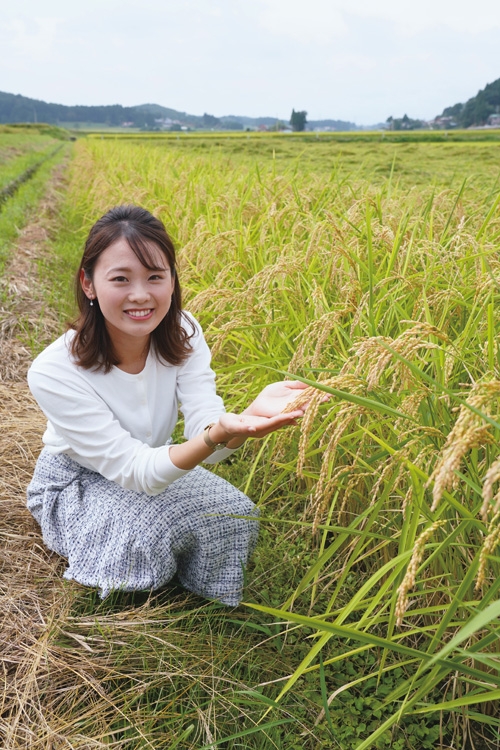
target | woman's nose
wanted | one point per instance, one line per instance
(138, 293)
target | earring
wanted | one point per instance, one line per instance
(91, 302)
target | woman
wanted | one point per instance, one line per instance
(127, 508)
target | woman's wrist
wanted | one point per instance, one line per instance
(236, 442)
(218, 434)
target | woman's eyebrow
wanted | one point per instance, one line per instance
(126, 269)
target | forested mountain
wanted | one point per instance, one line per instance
(17, 108)
(478, 109)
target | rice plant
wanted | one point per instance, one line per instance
(371, 272)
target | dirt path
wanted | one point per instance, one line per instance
(31, 588)
(24, 307)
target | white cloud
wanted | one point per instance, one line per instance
(306, 21)
(324, 20)
(412, 16)
(355, 60)
(33, 38)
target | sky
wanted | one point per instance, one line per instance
(355, 60)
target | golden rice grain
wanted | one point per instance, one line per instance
(492, 476)
(375, 354)
(409, 579)
(491, 542)
(469, 431)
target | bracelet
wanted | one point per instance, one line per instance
(208, 440)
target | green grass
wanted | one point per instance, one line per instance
(23, 152)
(22, 147)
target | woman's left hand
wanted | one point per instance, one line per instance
(275, 397)
(265, 414)
(241, 426)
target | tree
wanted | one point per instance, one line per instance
(298, 121)
(404, 123)
(209, 121)
(476, 110)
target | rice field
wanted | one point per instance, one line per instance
(370, 270)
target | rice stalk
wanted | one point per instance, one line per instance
(410, 577)
(491, 542)
(491, 477)
(469, 431)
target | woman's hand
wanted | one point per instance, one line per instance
(241, 426)
(264, 415)
(274, 398)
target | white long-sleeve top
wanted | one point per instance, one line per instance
(118, 424)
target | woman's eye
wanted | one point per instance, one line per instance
(119, 278)
(156, 277)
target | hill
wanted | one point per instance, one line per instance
(15, 108)
(477, 110)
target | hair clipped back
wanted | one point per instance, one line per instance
(144, 233)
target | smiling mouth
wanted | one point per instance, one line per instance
(139, 313)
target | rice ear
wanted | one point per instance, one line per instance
(491, 541)
(469, 431)
(409, 579)
(492, 476)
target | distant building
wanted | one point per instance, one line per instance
(443, 123)
(166, 123)
(493, 121)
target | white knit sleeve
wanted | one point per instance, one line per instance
(196, 392)
(87, 430)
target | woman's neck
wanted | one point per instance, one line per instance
(133, 367)
(132, 355)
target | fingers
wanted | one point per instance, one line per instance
(258, 426)
(283, 420)
(296, 384)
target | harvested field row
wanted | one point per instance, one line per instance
(31, 586)
(9, 190)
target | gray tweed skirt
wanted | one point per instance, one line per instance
(118, 539)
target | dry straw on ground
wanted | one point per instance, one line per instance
(30, 579)
(65, 682)
(31, 588)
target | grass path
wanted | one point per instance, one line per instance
(31, 591)
(24, 308)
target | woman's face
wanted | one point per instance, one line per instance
(133, 299)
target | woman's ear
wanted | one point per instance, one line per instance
(87, 286)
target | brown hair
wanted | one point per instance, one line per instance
(91, 345)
